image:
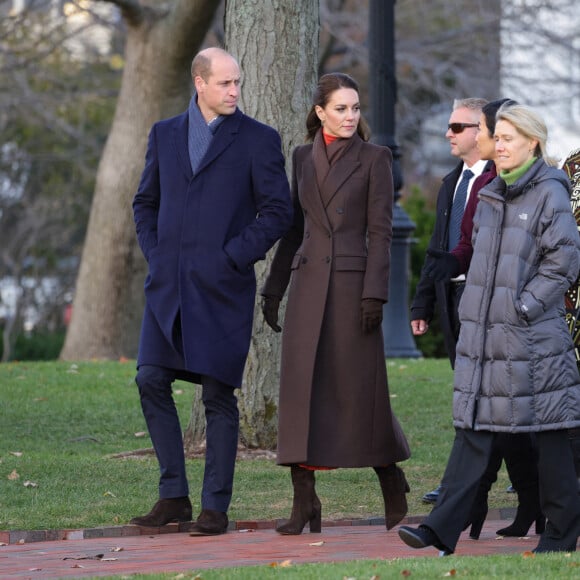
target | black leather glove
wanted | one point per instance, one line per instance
(270, 307)
(441, 265)
(371, 314)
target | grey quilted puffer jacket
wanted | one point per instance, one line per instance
(515, 368)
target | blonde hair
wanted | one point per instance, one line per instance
(528, 123)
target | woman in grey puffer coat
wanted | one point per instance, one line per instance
(515, 369)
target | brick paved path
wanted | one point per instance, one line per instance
(179, 552)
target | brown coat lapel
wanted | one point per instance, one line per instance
(330, 175)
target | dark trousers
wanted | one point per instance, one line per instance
(222, 428)
(521, 460)
(468, 461)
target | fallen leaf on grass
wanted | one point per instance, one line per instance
(451, 572)
(16, 453)
(140, 434)
(528, 554)
(178, 392)
(110, 494)
(30, 484)
(14, 475)
(284, 564)
(405, 573)
(321, 543)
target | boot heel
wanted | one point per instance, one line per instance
(540, 524)
(475, 530)
(315, 523)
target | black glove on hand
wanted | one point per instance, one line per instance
(270, 307)
(441, 265)
(372, 314)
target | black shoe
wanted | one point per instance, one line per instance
(422, 537)
(545, 547)
(432, 496)
(210, 523)
(165, 511)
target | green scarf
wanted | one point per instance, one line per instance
(510, 177)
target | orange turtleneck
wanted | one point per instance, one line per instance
(328, 139)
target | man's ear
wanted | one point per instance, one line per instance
(198, 83)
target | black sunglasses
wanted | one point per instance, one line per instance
(458, 127)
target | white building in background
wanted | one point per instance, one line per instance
(540, 66)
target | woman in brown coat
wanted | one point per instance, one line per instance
(334, 408)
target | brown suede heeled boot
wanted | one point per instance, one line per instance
(394, 487)
(165, 511)
(305, 505)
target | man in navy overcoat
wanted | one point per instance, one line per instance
(213, 199)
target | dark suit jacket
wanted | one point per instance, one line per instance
(429, 292)
(201, 235)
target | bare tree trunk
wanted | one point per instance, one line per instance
(276, 44)
(156, 83)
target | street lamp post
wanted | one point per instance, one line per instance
(399, 340)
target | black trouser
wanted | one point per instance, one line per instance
(468, 461)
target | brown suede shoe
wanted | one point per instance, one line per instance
(210, 523)
(165, 511)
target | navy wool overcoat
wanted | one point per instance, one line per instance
(201, 235)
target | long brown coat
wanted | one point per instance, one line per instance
(334, 406)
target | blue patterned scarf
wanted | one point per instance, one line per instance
(199, 134)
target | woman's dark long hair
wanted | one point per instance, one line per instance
(327, 84)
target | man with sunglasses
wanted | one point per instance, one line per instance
(456, 186)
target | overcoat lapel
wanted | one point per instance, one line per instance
(312, 200)
(223, 138)
(331, 176)
(181, 146)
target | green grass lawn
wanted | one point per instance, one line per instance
(526, 567)
(62, 425)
